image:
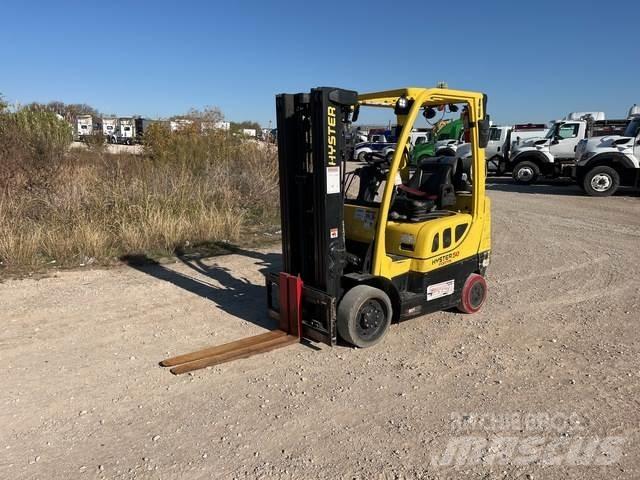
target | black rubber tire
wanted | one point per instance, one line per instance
(359, 305)
(446, 152)
(362, 156)
(610, 181)
(474, 294)
(390, 156)
(533, 172)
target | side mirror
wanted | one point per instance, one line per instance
(483, 132)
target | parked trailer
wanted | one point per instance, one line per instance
(141, 127)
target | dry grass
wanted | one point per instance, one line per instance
(82, 207)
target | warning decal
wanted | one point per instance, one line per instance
(438, 290)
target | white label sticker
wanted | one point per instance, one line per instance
(439, 290)
(333, 180)
(333, 233)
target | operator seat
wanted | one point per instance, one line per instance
(430, 188)
(462, 175)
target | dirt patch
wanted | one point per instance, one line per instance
(83, 395)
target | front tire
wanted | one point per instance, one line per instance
(602, 181)
(526, 172)
(364, 316)
(362, 156)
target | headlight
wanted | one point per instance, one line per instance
(403, 105)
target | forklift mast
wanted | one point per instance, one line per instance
(311, 156)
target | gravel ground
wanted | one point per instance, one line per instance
(542, 383)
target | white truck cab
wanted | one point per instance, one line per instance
(504, 138)
(110, 129)
(554, 155)
(126, 134)
(551, 155)
(496, 148)
(605, 163)
(84, 126)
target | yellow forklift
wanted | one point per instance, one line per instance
(382, 243)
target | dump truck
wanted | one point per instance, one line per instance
(445, 140)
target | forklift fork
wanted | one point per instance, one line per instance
(290, 322)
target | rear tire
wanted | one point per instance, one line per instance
(474, 294)
(525, 172)
(602, 181)
(364, 316)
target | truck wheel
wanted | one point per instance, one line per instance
(474, 294)
(364, 316)
(526, 172)
(601, 181)
(362, 156)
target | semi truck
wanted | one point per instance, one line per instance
(84, 126)
(126, 131)
(109, 129)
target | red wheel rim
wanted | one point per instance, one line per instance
(474, 293)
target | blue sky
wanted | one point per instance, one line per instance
(536, 60)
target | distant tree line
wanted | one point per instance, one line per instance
(70, 111)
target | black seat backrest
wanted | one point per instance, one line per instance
(462, 175)
(435, 175)
(426, 168)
